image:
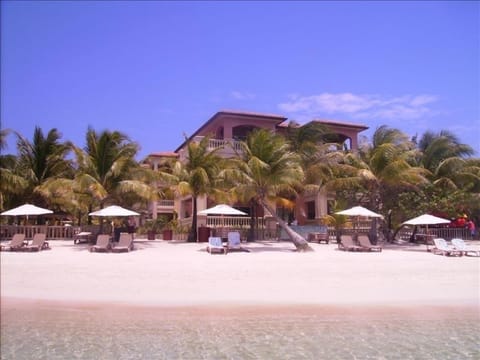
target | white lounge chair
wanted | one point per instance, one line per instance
(215, 245)
(103, 243)
(17, 242)
(364, 242)
(346, 244)
(234, 242)
(460, 245)
(442, 248)
(38, 243)
(125, 243)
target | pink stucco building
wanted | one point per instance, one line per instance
(230, 127)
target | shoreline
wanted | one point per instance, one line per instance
(367, 311)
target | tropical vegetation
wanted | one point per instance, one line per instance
(102, 173)
(390, 173)
(264, 172)
(197, 175)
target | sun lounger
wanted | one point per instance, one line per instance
(442, 248)
(125, 243)
(364, 242)
(460, 245)
(233, 241)
(103, 243)
(319, 237)
(215, 245)
(18, 241)
(84, 236)
(38, 243)
(346, 244)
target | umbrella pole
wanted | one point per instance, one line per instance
(223, 225)
(427, 237)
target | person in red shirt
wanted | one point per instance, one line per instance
(471, 227)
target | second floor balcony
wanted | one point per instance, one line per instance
(165, 205)
(228, 147)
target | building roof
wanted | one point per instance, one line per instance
(251, 114)
(280, 120)
(163, 154)
(257, 116)
(357, 126)
(287, 123)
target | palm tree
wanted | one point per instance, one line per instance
(39, 161)
(198, 175)
(316, 155)
(449, 161)
(108, 171)
(437, 147)
(304, 139)
(265, 169)
(389, 164)
(11, 184)
(381, 171)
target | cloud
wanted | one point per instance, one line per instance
(360, 106)
(239, 95)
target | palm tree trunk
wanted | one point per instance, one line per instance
(192, 236)
(298, 240)
(251, 231)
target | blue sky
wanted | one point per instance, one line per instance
(159, 70)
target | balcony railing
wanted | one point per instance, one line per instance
(165, 203)
(227, 148)
(234, 222)
(221, 143)
(53, 232)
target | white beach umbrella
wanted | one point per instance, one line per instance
(221, 209)
(27, 209)
(359, 211)
(426, 219)
(113, 211)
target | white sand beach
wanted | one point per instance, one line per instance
(160, 273)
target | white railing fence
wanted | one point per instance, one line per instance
(53, 232)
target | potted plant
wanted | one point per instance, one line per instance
(153, 227)
(168, 229)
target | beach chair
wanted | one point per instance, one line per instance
(318, 237)
(102, 245)
(125, 243)
(233, 241)
(18, 241)
(442, 248)
(460, 245)
(38, 243)
(215, 245)
(346, 244)
(364, 241)
(83, 236)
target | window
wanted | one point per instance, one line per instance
(310, 210)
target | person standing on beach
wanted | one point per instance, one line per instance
(131, 225)
(471, 227)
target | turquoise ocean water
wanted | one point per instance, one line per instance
(50, 332)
